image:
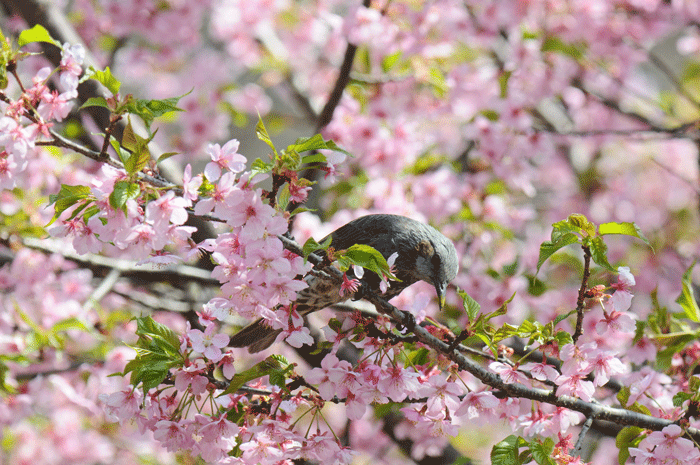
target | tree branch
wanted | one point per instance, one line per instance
(582, 293)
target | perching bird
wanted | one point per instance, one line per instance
(424, 254)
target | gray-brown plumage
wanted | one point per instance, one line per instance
(424, 254)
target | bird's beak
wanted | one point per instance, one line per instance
(440, 288)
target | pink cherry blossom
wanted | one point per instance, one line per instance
(224, 158)
(209, 343)
(190, 185)
(541, 371)
(509, 374)
(476, 404)
(575, 385)
(167, 209)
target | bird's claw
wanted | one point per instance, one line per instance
(361, 292)
(408, 321)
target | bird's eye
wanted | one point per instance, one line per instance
(435, 261)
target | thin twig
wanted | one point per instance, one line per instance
(582, 292)
(125, 267)
(584, 429)
(113, 120)
(340, 84)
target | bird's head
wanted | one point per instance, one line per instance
(436, 263)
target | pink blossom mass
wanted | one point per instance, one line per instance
(169, 168)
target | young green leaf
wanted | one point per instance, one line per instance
(138, 145)
(258, 166)
(549, 248)
(541, 451)
(106, 79)
(627, 229)
(470, 305)
(66, 198)
(630, 436)
(687, 297)
(370, 258)
(36, 34)
(268, 366)
(599, 253)
(95, 102)
(123, 191)
(316, 157)
(507, 452)
(165, 156)
(165, 337)
(311, 246)
(262, 134)
(148, 110)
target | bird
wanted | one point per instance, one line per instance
(424, 254)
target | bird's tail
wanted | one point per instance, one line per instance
(257, 336)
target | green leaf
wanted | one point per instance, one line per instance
(419, 356)
(165, 156)
(148, 370)
(301, 210)
(268, 366)
(504, 332)
(157, 351)
(627, 229)
(315, 142)
(694, 384)
(507, 451)
(148, 110)
(436, 78)
(535, 287)
(470, 305)
(311, 246)
(549, 248)
(263, 135)
(164, 337)
(138, 145)
(390, 60)
(681, 397)
(503, 78)
(687, 298)
(258, 166)
(542, 451)
(305, 144)
(599, 253)
(106, 79)
(369, 258)
(36, 34)
(314, 158)
(555, 44)
(69, 324)
(123, 191)
(95, 102)
(577, 220)
(629, 436)
(563, 338)
(66, 198)
(283, 197)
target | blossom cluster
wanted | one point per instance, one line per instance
(34, 112)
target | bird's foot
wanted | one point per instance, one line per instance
(362, 291)
(408, 321)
